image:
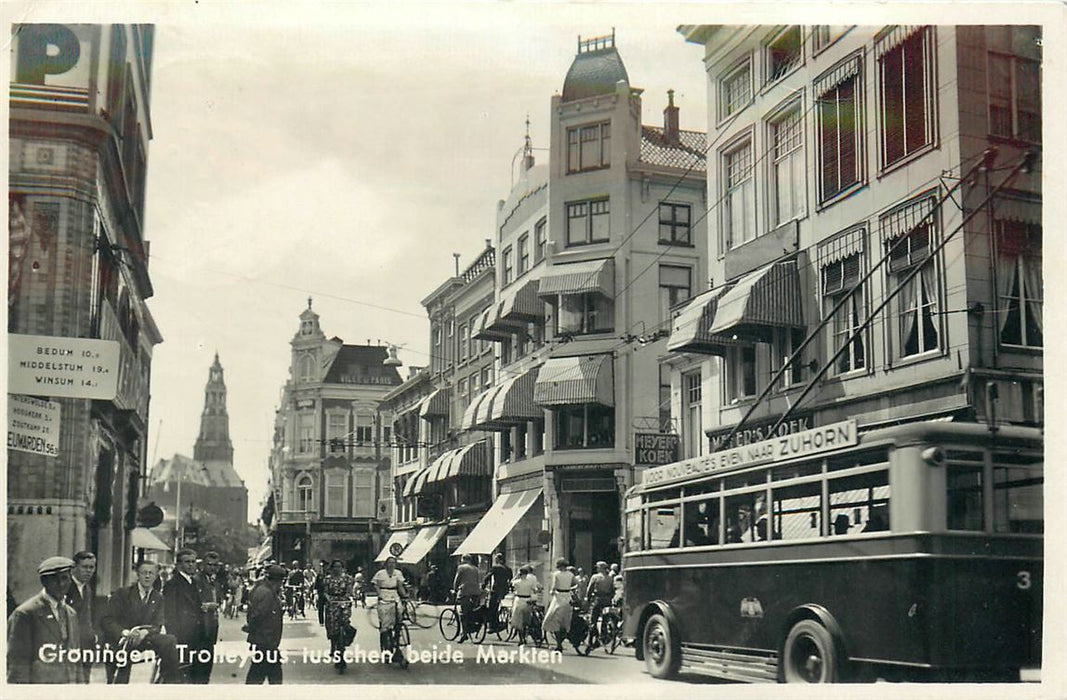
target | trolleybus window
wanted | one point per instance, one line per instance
(701, 522)
(746, 517)
(1018, 505)
(663, 524)
(964, 497)
(797, 511)
(859, 503)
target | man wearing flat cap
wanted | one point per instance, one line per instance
(43, 629)
(264, 628)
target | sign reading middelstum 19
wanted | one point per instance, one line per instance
(807, 442)
(78, 368)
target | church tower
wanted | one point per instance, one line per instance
(213, 444)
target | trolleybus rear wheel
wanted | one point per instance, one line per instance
(810, 655)
(663, 654)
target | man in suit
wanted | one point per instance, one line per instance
(265, 628)
(82, 597)
(132, 619)
(212, 590)
(42, 628)
(182, 612)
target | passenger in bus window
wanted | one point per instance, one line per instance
(760, 529)
(876, 521)
(841, 524)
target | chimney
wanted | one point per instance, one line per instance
(488, 242)
(670, 120)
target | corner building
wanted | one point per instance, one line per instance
(595, 247)
(329, 471)
(844, 157)
(78, 138)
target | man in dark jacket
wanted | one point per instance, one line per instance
(42, 628)
(264, 628)
(497, 582)
(182, 611)
(82, 597)
(320, 592)
(212, 590)
(132, 620)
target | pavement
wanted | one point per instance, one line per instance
(494, 662)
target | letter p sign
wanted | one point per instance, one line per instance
(45, 49)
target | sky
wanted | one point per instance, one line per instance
(346, 161)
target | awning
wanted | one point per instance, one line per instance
(415, 483)
(579, 278)
(401, 537)
(434, 405)
(575, 380)
(690, 328)
(487, 328)
(469, 460)
(524, 306)
(761, 301)
(1021, 210)
(143, 538)
(497, 522)
(509, 403)
(470, 415)
(421, 545)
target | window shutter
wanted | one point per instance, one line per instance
(832, 278)
(847, 132)
(915, 92)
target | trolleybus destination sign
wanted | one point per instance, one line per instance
(807, 442)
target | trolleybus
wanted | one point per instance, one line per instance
(911, 551)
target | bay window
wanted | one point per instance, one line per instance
(580, 314)
(585, 426)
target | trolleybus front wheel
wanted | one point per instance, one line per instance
(810, 655)
(662, 652)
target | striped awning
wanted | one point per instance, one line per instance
(690, 329)
(416, 482)
(434, 405)
(488, 329)
(421, 544)
(469, 460)
(579, 278)
(470, 415)
(503, 406)
(894, 37)
(401, 537)
(761, 301)
(522, 307)
(1024, 211)
(498, 521)
(565, 381)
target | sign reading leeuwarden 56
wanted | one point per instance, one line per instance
(32, 425)
(77, 368)
(802, 444)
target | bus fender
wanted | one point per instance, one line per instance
(656, 607)
(811, 611)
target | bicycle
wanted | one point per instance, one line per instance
(395, 639)
(609, 629)
(294, 601)
(230, 606)
(449, 622)
(533, 629)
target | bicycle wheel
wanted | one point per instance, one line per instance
(448, 623)
(609, 634)
(403, 636)
(503, 623)
(423, 615)
(535, 631)
(478, 636)
(372, 613)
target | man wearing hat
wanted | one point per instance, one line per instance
(133, 619)
(264, 628)
(212, 591)
(45, 626)
(182, 611)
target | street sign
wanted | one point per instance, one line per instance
(396, 549)
(32, 425)
(79, 368)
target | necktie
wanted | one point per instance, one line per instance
(61, 617)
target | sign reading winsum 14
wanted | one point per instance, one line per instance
(807, 442)
(80, 368)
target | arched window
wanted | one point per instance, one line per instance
(304, 493)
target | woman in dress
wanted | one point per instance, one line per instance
(337, 588)
(526, 586)
(558, 615)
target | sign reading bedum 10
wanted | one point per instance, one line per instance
(78, 368)
(32, 425)
(655, 448)
(807, 442)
